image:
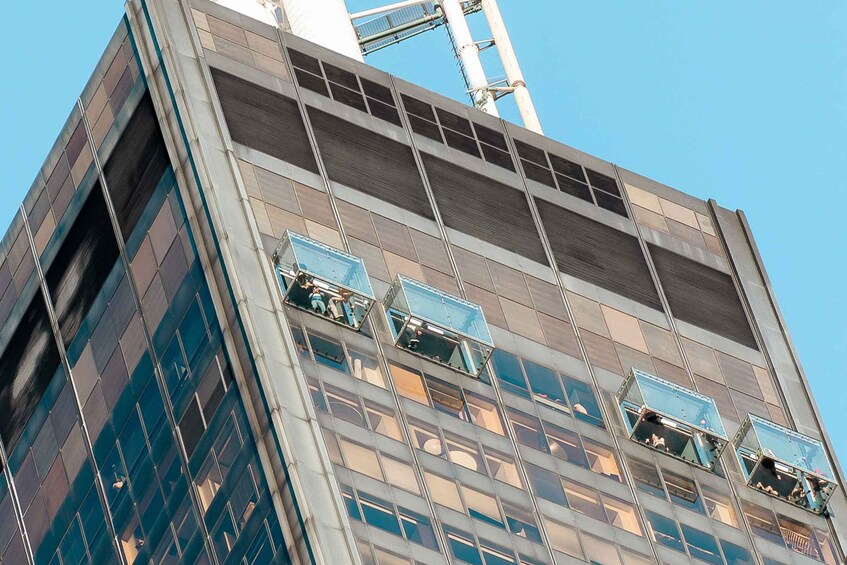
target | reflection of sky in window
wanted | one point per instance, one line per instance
(444, 310)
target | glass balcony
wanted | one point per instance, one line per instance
(438, 326)
(323, 280)
(785, 464)
(672, 419)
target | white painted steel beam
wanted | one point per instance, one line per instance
(469, 55)
(511, 66)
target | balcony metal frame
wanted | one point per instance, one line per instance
(660, 429)
(407, 327)
(790, 481)
(357, 303)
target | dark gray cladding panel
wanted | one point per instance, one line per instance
(264, 120)
(82, 264)
(370, 163)
(136, 165)
(26, 369)
(702, 296)
(484, 208)
(598, 254)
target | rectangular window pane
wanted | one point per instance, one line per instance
(664, 531)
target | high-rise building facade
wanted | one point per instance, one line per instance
(267, 304)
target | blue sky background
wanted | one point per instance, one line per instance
(744, 102)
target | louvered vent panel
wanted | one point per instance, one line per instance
(702, 296)
(598, 254)
(370, 163)
(264, 120)
(483, 208)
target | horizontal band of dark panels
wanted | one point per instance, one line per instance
(264, 120)
(484, 208)
(598, 254)
(370, 163)
(702, 296)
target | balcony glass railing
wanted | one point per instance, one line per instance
(785, 464)
(438, 326)
(323, 280)
(672, 419)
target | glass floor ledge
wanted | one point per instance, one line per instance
(672, 419)
(438, 326)
(785, 464)
(323, 280)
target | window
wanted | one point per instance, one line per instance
(503, 468)
(583, 402)
(683, 491)
(366, 368)
(584, 499)
(621, 514)
(664, 531)
(763, 523)
(546, 484)
(564, 538)
(647, 478)
(482, 507)
(737, 555)
(409, 383)
(444, 492)
(463, 452)
(507, 367)
(601, 551)
(702, 545)
(379, 513)
(545, 383)
(484, 413)
(425, 436)
(565, 445)
(799, 538)
(463, 547)
(719, 506)
(418, 529)
(329, 352)
(522, 523)
(528, 430)
(345, 406)
(446, 398)
(361, 459)
(602, 459)
(383, 420)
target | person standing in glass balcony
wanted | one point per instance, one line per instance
(316, 299)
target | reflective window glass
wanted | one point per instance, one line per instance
(583, 401)
(484, 413)
(736, 555)
(528, 430)
(602, 459)
(719, 506)
(564, 538)
(646, 477)
(379, 513)
(545, 383)
(701, 545)
(584, 499)
(546, 484)
(329, 352)
(664, 530)
(508, 369)
(565, 445)
(409, 383)
(683, 491)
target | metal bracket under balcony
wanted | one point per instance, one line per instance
(672, 419)
(323, 280)
(438, 326)
(785, 464)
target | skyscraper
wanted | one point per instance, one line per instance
(265, 303)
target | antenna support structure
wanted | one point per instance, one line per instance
(328, 23)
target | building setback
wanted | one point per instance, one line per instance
(264, 303)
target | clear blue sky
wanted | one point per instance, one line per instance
(744, 102)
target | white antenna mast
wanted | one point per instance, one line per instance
(468, 52)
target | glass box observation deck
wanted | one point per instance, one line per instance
(323, 280)
(785, 464)
(672, 419)
(438, 326)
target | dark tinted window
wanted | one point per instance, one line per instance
(84, 261)
(26, 368)
(135, 166)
